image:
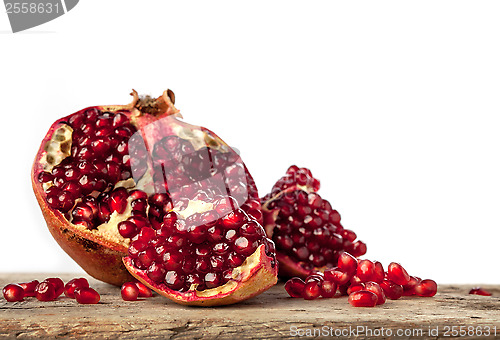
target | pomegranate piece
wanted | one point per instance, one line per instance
(136, 180)
(85, 295)
(45, 291)
(347, 263)
(130, 291)
(363, 298)
(29, 287)
(479, 291)
(397, 274)
(355, 287)
(392, 290)
(426, 288)
(73, 284)
(295, 287)
(13, 292)
(305, 228)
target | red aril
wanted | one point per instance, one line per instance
(426, 288)
(73, 284)
(29, 287)
(305, 228)
(136, 180)
(337, 276)
(355, 287)
(392, 290)
(130, 291)
(366, 270)
(87, 296)
(13, 292)
(295, 287)
(45, 291)
(409, 288)
(479, 291)
(397, 274)
(312, 290)
(347, 263)
(144, 291)
(58, 285)
(328, 289)
(363, 298)
(377, 290)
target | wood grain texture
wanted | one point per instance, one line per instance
(269, 315)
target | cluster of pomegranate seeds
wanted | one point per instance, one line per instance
(365, 281)
(308, 229)
(50, 289)
(480, 291)
(99, 159)
(130, 291)
(200, 251)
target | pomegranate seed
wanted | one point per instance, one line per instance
(365, 270)
(72, 285)
(426, 288)
(377, 290)
(347, 263)
(392, 290)
(379, 273)
(58, 285)
(127, 229)
(328, 289)
(86, 295)
(312, 290)
(29, 287)
(363, 298)
(355, 288)
(13, 292)
(118, 200)
(144, 291)
(45, 291)
(479, 291)
(337, 276)
(295, 287)
(409, 288)
(397, 274)
(129, 291)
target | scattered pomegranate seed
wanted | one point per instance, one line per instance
(366, 270)
(363, 298)
(29, 287)
(337, 276)
(312, 290)
(72, 285)
(328, 289)
(347, 263)
(129, 291)
(45, 291)
(58, 285)
(295, 287)
(144, 290)
(13, 292)
(409, 288)
(426, 288)
(392, 290)
(397, 274)
(377, 290)
(86, 295)
(479, 291)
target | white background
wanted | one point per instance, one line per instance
(394, 106)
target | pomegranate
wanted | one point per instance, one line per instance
(305, 228)
(136, 180)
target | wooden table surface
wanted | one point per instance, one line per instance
(270, 315)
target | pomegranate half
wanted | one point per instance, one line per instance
(136, 180)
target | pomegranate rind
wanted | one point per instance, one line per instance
(254, 276)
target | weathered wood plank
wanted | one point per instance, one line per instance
(270, 315)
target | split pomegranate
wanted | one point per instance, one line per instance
(13, 292)
(305, 228)
(136, 180)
